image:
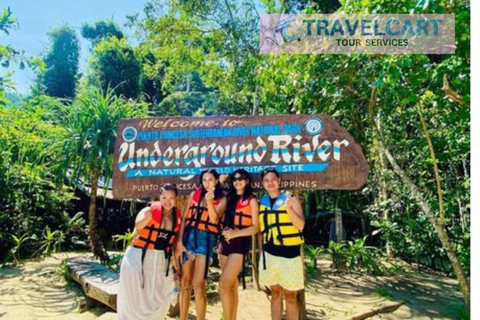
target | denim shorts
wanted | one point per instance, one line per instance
(198, 245)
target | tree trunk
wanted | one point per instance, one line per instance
(95, 242)
(302, 307)
(419, 197)
(338, 225)
(255, 102)
(383, 195)
(435, 166)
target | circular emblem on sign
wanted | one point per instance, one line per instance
(314, 126)
(129, 134)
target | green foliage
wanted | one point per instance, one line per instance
(125, 238)
(14, 251)
(101, 30)
(51, 241)
(463, 313)
(7, 21)
(362, 257)
(91, 124)
(114, 65)
(63, 271)
(338, 254)
(7, 53)
(341, 86)
(59, 77)
(355, 256)
(29, 198)
(313, 253)
(384, 293)
(114, 263)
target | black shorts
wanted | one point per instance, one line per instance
(240, 245)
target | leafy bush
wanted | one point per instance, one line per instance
(312, 253)
(125, 238)
(362, 257)
(30, 201)
(355, 255)
(338, 254)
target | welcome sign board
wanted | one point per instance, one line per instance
(311, 151)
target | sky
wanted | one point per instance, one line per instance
(37, 17)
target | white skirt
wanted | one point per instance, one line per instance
(151, 302)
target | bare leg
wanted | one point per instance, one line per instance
(199, 287)
(291, 304)
(228, 279)
(235, 299)
(276, 303)
(186, 290)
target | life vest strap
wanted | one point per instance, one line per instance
(267, 211)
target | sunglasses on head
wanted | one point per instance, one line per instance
(238, 179)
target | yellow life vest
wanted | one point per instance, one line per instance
(275, 223)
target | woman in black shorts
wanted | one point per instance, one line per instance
(239, 222)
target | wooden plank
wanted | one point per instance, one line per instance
(97, 281)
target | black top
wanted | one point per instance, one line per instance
(162, 242)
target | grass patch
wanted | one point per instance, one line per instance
(62, 271)
(384, 293)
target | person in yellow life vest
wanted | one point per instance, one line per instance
(239, 222)
(281, 223)
(146, 282)
(198, 232)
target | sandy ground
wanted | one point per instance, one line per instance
(34, 291)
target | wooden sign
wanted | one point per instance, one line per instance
(311, 151)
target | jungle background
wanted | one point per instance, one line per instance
(410, 114)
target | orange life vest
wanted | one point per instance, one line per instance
(197, 216)
(243, 215)
(150, 237)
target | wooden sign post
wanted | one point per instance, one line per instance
(310, 151)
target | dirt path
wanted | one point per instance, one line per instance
(35, 291)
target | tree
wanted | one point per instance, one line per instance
(61, 60)
(215, 40)
(91, 123)
(101, 30)
(10, 56)
(340, 85)
(114, 65)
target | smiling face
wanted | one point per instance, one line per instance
(168, 199)
(209, 182)
(271, 183)
(239, 183)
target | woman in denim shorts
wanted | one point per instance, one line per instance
(206, 206)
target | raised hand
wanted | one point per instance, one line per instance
(289, 202)
(210, 195)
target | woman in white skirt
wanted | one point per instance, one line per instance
(146, 279)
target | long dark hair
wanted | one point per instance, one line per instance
(248, 188)
(218, 189)
(233, 197)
